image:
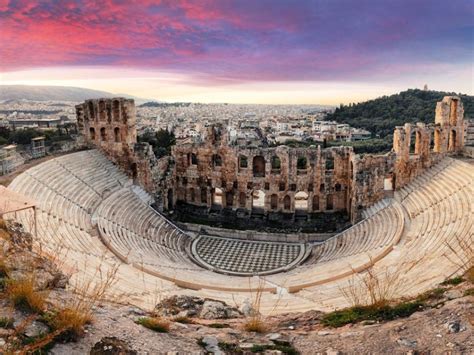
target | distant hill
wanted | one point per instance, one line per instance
(381, 115)
(165, 104)
(56, 93)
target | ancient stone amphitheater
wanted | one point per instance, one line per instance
(95, 221)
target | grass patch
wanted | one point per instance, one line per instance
(69, 321)
(219, 325)
(430, 295)
(23, 295)
(375, 312)
(156, 324)
(453, 282)
(255, 324)
(6, 322)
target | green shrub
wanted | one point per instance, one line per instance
(453, 282)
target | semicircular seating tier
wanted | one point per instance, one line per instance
(95, 222)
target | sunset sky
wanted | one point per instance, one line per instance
(255, 51)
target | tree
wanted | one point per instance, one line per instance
(161, 141)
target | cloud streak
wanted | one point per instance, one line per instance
(246, 40)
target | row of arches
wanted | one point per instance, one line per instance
(111, 112)
(259, 163)
(435, 142)
(301, 200)
(103, 134)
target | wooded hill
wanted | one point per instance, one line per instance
(381, 115)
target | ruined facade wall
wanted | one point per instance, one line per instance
(110, 125)
(280, 179)
(420, 146)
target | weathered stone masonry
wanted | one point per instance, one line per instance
(298, 181)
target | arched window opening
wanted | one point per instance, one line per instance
(338, 187)
(301, 163)
(329, 203)
(287, 203)
(102, 110)
(329, 163)
(301, 201)
(321, 188)
(274, 202)
(103, 134)
(194, 159)
(116, 110)
(204, 195)
(412, 142)
(282, 186)
(276, 164)
(217, 197)
(134, 170)
(452, 141)
(258, 199)
(229, 199)
(258, 166)
(243, 200)
(192, 195)
(170, 199)
(243, 162)
(92, 133)
(216, 160)
(117, 134)
(351, 170)
(316, 203)
(91, 110)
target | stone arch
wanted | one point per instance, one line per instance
(229, 199)
(329, 163)
(338, 187)
(351, 170)
(117, 134)
(90, 106)
(203, 195)
(411, 148)
(452, 141)
(194, 159)
(192, 194)
(243, 199)
(102, 113)
(302, 163)
(170, 199)
(258, 199)
(216, 160)
(116, 110)
(258, 166)
(316, 203)
(134, 170)
(217, 197)
(103, 134)
(243, 162)
(92, 133)
(287, 203)
(321, 188)
(276, 164)
(301, 201)
(329, 202)
(274, 202)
